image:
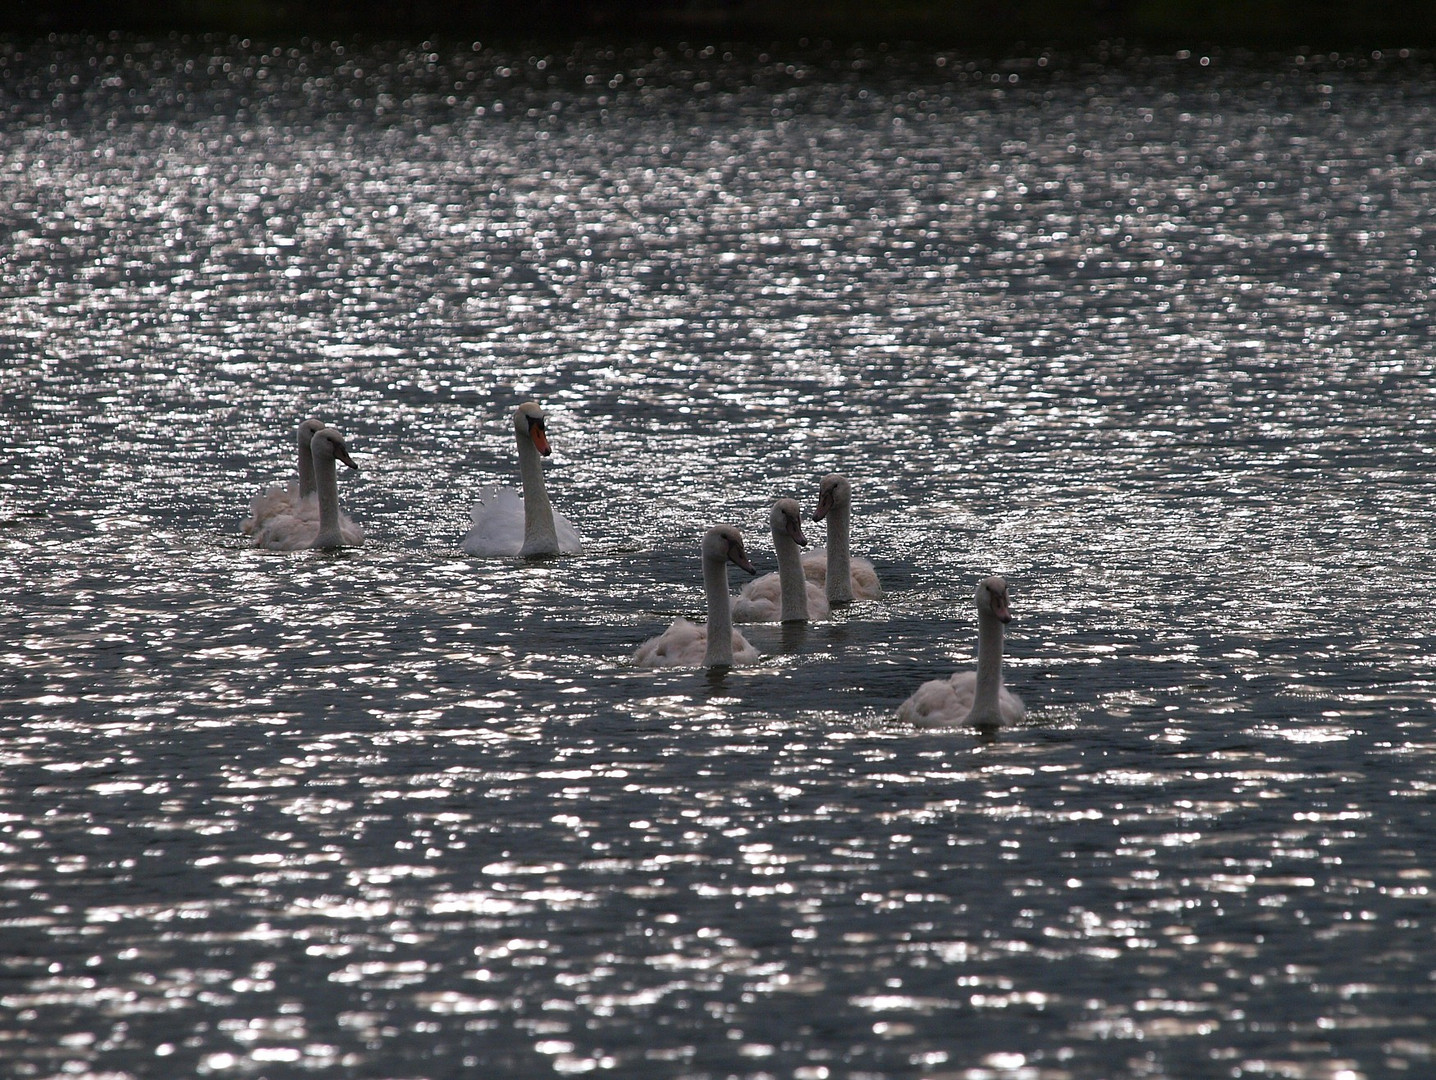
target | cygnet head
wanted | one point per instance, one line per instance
(991, 598)
(328, 443)
(724, 543)
(833, 491)
(307, 429)
(529, 424)
(787, 517)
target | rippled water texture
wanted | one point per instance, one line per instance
(1151, 337)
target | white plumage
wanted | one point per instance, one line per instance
(685, 644)
(498, 526)
(762, 601)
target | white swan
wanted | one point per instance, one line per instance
(292, 499)
(786, 596)
(842, 576)
(685, 644)
(978, 698)
(504, 523)
(330, 529)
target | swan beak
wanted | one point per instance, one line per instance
(825, 503)
(741, 560)
(342, 454)
(795, 530)
(999, 609)
(540, 438)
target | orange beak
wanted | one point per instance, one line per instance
(540, 438)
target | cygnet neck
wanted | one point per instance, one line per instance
(985, 711)
(719, 652)
(326, 487)
(840, 568)
(792, 585)
(306, 465)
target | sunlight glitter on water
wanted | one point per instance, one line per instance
(1145, 340)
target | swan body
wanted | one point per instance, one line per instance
(295, 500)
(328, 528)
(786, 596)
(506, 523)
(686, 644)
(842, 576)
(973, 698)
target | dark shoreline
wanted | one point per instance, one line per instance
(1332, 24)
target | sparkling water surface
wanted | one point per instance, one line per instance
(1149, 335)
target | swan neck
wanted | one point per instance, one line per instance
(326, 487)
(306, 470)
(840, 570)
(720, 614)
(792, 585)
(540, 536)
(989, 671)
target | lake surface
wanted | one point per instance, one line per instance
(1149, 335)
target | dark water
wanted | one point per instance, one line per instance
(1151, 337)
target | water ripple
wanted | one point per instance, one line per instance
(1146, 334)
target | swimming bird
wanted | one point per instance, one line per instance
(785, 596)
(686, 644)
(842, 576)
(505, 524)
(975, 698)
(292, 499)
(330, 528)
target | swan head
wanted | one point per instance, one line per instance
(529, 424)
(306, 431)
(328, 443)
(724, 544)
(833, 491)
(787, 519)
(991, 598)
